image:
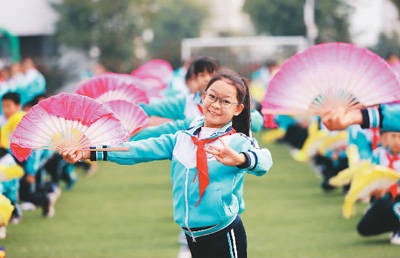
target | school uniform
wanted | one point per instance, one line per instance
(200, 209)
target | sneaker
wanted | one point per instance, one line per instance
(184, 252)
(16, 220)
(92, 170)
(49, 210)
(395, 238)
(57, 191)
(28, 206)
(3, 232)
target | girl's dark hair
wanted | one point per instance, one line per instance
(189, 74)
(241, 122)
(203, 64)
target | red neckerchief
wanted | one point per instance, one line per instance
(269, 121)
(394, 190)
(200, 108)
(201, 162)
(392, 159)
(375, 138)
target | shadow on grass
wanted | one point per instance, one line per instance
(372, 241)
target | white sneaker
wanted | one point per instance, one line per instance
(57, 192)
(50, 211)
(28, 206)
(395, 238)
(3, 232)
(184, 252)
(15, 220)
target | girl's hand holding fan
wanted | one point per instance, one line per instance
(339, 118)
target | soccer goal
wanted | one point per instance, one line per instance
(244, 54)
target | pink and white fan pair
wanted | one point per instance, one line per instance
(328, 76)
(108, 87)
(67, 121)
(156, 69)
(121, 97)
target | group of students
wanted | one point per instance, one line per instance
(23, 78)
(35, 182)
(341, 140)
(209, 142)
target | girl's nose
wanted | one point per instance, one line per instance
(217, 103)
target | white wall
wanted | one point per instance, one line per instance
(27, 17)
(371, 17)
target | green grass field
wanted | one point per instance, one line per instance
(126, 211)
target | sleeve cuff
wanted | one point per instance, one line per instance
(251, 161)
(371, 118)
(98, 155)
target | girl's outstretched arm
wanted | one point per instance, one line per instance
(139, 151)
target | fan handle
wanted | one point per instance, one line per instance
(103, 149)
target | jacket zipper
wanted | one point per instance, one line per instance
(187, 206)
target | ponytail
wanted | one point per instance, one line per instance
(241, 122)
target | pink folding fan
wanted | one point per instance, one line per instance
(132, 116)
(105, 88)
(152, 87)
(66, 121)
(396, 68)
(330, 75)
(155, 69)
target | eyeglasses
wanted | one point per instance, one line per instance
(212, 98)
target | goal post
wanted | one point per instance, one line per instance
(243, 54)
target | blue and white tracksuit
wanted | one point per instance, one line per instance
(222, 201)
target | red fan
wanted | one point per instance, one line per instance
(66, 121)
(105, 88)
(132, 116)
(156, 69)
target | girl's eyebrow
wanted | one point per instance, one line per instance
(220, 95)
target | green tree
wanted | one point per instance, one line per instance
(171, 21)
(285, 17)
(108, 26)
(387, 45)
(397, 4)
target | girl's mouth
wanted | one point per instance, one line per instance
(213, 112)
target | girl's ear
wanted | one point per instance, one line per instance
(239, 109)
(203, 95)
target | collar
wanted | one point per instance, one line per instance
(195, 130)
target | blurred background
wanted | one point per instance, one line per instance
(70, 40)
